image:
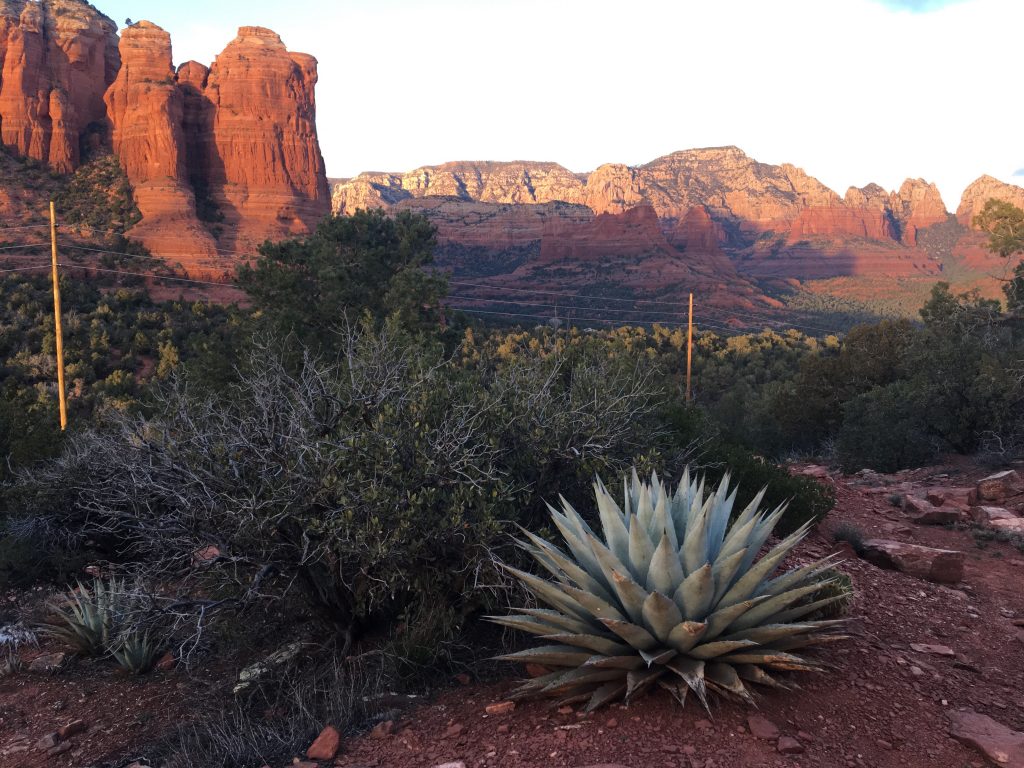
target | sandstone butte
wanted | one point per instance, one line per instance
(240, 135)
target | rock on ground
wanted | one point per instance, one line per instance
(1000, 744)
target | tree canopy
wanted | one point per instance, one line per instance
(365, 263)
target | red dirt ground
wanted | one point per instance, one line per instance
(884, 706)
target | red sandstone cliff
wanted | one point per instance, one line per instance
(146, 110)
(57, 60)
(241, 134)
(251, 130)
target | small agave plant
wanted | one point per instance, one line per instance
(671, 595)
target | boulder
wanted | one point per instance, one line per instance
(986, 515)
(944, 566)
(923, 512)
(1001, 745)
(999, 486)
(949, 496)
(1014, 525)
(48, 662)
(326, 745)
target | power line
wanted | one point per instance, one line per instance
(608, 321)
(27, 226)
(24, 269)
(23, 245)
(145, 274)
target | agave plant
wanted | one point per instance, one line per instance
(135, 652)
(84, 617)
(672, 595)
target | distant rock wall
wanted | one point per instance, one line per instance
(702, 202)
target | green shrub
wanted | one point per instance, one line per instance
(851, 534)
(807, 500)
(886, 430)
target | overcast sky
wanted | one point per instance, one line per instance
(853, 91)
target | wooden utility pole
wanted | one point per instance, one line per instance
(56, 317)
(689, 350)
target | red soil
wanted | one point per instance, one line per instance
(883, 706)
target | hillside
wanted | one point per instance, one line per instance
(745, 235)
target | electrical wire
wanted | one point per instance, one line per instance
(27, 226)
(25, 269)
(23, 245)
(145, 274)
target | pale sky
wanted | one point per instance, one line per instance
(853, 91)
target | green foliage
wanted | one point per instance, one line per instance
(1004, 223)
(669, 594)
(369, 262)
(135, 652)
(379, 483)
(806, 500)
(836, 592)
(851, 534)
(84, 618)
(885, 429)
(98, 195)
(103, 620)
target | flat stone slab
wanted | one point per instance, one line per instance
(998, 743)
(944, 566)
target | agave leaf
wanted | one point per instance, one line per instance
(612, 522)
(641, 549)
(748, 514)
(803, 641)
(610, 691)
(583, 676)
(631, 595)
(677, 688)
(560, 566)
(797, 577)
(664, 525)
(644, 508)
(755, 674)
(805, 610)
(577, 543)
(692, 673)
(524, 623)
(737, 539)
(720, 620)
(695, 594)
(557, 619)
(641, 680)
(556, 596)
(596, 643)
(749, 582)
(762, 530)
(719, 517)
(635, 635)
(559, 655)
(694, 551)
(592, 605)
(764, 613)
(771, 659)
(718, 648)
(769, 633)
(659, 656)
(724, 572)
(725, 677)
(686, 635)
(660, 615)
(665, 572)
(632, 661)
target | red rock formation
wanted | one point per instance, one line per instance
(917, 205)
(58, 59)
(146, 109)
(980, 192)
(253, 127)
